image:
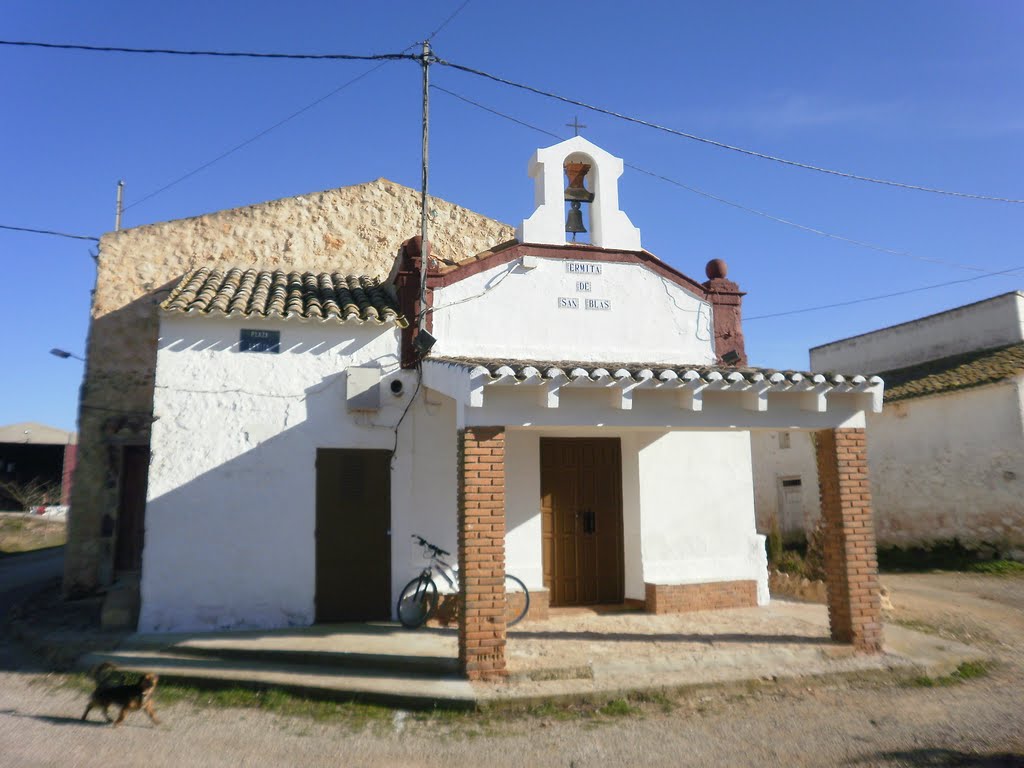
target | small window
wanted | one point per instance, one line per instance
(792, 483)
(783, 439)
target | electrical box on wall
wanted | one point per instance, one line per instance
(362, 389)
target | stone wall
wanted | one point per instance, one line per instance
(354, 229)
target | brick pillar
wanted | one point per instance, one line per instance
(482, 552)
(851, 562)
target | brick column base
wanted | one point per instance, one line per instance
(481, 495)
(683, 598)
(851, 561)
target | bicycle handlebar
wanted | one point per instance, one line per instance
(424, 543)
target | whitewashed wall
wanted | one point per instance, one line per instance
(650, 319)
(942, 467)
(697, 511)
(231, 509)
(950, 466)
(985, 324)
(771, 464)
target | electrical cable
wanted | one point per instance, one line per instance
(448, 21)
(292, 116)
(49, 232)
(722, 144)
(1005, 272)
(739, 206)
(259, 135)
(230, 54)
(405, 411)
(493, 283)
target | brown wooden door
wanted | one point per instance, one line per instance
(131, 509)
(581, 520)
(353, 536)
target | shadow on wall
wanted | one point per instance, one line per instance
(116, 407)
(344, 346)
(234, 546)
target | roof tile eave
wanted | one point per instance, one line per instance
(265, 294)
(703, 370)
(955, 373)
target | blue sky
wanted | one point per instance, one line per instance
(922, 92)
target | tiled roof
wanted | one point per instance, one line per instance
(307, 295)
(949, 374)
(525, 369)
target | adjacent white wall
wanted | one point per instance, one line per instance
(941, 467)
(512, 312)
(985, 324)
(771, 464)
(697, 511)
(523, 554)
(231, 506)
(950, 466)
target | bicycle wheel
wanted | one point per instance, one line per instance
(417, 602)
(517, 600)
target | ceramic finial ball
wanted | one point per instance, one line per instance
(716, 268)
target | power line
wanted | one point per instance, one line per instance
(49, 232)
(722, 144)
(701, 192)
(403, 54)
(259, 135)
(448, 21)
(884, 295)
(231, 54)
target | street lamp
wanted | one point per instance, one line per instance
(64, 354)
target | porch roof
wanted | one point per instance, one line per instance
(739, 397)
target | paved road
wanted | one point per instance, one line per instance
(853, 723)
(21, 574)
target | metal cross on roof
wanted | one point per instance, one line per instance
(576, 125)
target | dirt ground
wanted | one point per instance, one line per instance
(976, 722)
(22, 533)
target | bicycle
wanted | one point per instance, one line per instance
(418, 600)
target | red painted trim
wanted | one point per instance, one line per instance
(510, 252)
(407, 285)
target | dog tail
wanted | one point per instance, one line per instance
(102, 671)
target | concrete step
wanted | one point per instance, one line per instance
(323, 659)
(383, 645)
(408, 689)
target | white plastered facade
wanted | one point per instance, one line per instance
(230, 534)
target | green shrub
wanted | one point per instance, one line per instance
(948, 555)
(774, 541)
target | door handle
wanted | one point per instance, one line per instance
(589, 521)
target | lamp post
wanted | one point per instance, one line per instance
(64, 354)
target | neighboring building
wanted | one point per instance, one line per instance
(35, 455)
(578, 414)
(947, 452)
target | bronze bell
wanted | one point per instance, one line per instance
(574, 221)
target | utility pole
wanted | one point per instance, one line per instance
(424, 240)
(120, 206)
